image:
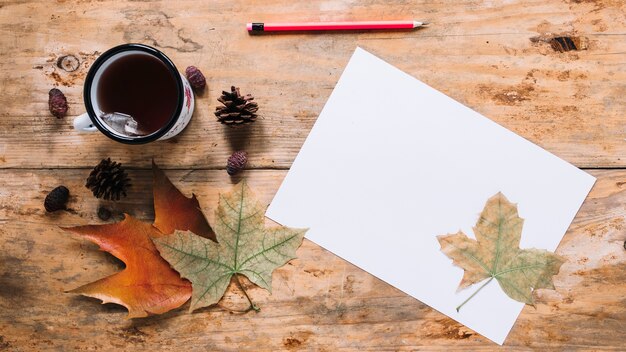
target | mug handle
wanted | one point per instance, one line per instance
(83, 124)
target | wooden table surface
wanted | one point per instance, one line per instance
(481, 53)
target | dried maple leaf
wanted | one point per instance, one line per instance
(245, 247)
(495, 254)
(174, 211)
(148, 284)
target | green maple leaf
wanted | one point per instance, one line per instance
(495, 254)
(245, 247)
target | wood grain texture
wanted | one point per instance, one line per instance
(320, 302)
(479, 53)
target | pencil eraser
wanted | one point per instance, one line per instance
(249, 26)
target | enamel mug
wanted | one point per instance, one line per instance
(94, 119)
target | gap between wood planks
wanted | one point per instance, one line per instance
(148, 168)
(216, 168)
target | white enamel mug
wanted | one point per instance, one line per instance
(91, 121)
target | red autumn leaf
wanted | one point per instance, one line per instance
(147, 285)
(173, 211)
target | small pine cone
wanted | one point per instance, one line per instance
(104, 213)
(56, 199)
(108, 180)
(238, 109)
(57, 103)
(236, 162)
(196, 78)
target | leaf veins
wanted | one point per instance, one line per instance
(495, 254)
(245, 247)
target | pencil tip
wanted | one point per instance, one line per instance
(417, 24)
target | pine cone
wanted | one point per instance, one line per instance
(196, 78)
(236, 162)
(108, 180)
(237, 109)
(104, 213)
(56, 199)
(57, 104)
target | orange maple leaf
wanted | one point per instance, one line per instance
(173, 211)
(148, 285)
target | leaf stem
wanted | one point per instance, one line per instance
(252, 305)
(235, 311)
(473, 294)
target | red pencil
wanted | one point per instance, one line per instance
(258, 27)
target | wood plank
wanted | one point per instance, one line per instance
(479, 53)
(319, 302)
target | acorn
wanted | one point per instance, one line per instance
(236, 162)
(56, 199)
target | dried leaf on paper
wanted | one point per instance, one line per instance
(495, 254)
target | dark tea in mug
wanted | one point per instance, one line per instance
(134, 94)
(141, 86)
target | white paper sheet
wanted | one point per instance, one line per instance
(391, 163)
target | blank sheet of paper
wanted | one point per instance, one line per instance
(391, 163)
